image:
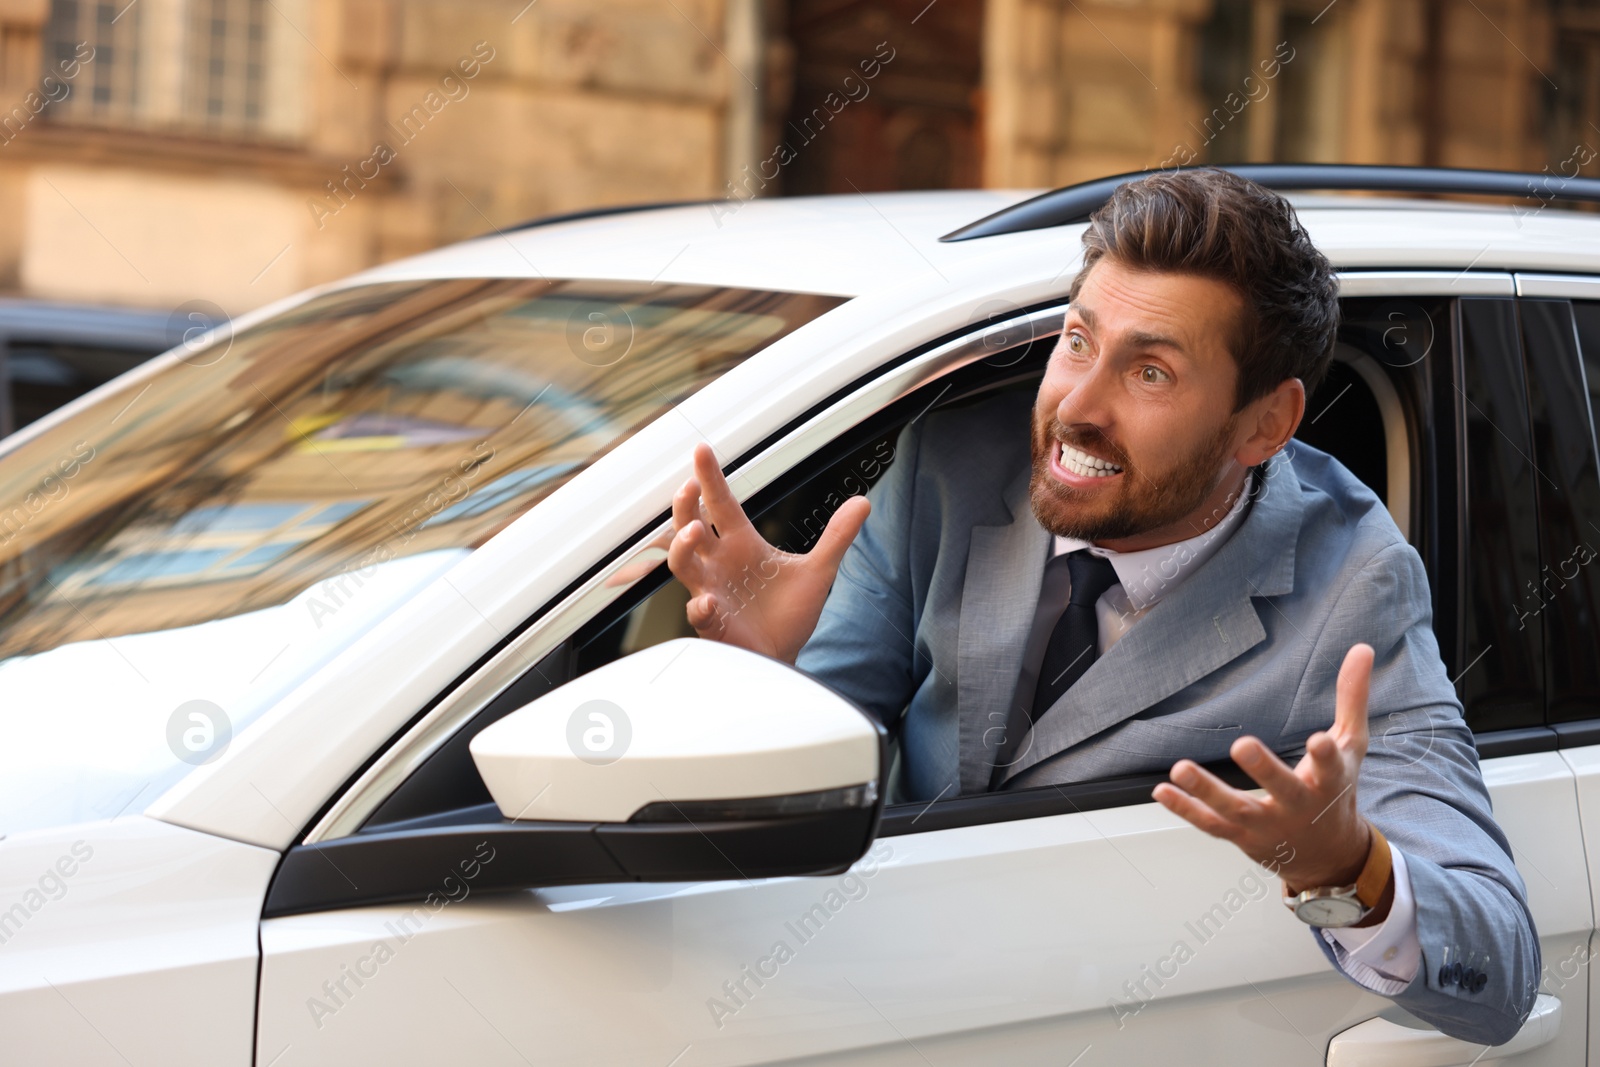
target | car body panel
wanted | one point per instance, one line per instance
(1048, 936)
(1567, 970)
(147, 953)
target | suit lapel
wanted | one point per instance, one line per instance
(1005, 567)
(1208, 620)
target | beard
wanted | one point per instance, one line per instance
(1144, 501)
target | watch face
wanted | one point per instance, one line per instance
(1329, 911)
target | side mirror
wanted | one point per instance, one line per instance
(688, 761)
(696, 760)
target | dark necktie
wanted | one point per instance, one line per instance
(1075, 641)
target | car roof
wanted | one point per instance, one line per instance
(855, 244)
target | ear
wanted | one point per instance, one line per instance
(1269, 421)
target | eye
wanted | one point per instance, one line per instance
(1076, 344)
(1153, 375)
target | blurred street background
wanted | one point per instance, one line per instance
(173, 161)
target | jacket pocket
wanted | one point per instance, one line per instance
(1166, 740)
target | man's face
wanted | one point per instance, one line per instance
(1133, 428)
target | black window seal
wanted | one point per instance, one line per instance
(980, 809)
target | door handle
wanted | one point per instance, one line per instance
(1381, 1043)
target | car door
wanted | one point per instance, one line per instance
(1048, 926)
(1560, 317)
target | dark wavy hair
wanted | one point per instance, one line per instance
(1215, 224)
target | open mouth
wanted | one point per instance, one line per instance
(1080, 463)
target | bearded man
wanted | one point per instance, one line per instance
(1138, 571)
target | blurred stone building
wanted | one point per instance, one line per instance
(154, 152)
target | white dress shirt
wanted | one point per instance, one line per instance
(1384, 958)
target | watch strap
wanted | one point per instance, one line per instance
(1374, 876)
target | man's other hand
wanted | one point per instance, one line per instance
(742, 590)
(1311, 808)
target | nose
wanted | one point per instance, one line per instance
(1087, 398)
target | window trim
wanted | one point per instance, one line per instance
(1559, 286)
(1426, 283)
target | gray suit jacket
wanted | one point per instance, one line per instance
(926, 623)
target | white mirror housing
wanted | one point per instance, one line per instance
(688, 721)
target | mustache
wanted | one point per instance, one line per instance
(1091, 440)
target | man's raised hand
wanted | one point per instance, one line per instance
(1312, 808)
(742, 590)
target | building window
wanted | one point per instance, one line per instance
(223, 68)
(108, 87)
(1572, 113)
(1272, 81)
(226, 61)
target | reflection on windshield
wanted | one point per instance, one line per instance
(363, 427)
(87, 723)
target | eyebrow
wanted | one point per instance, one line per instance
(1138, 337)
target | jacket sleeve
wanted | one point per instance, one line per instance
(863, 642)
(1421, 785)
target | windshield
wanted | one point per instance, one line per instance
(185, 550)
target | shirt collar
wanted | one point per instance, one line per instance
(1148, 574)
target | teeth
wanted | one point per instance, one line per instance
(1086, 466)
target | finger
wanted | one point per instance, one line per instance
(703, 615)
(841, 530)
(1211, 790)
(1327, 764)
(683, 560)
(1269, 772)
(686, 504)
(1350, 705)
(1195, 813)
(722, 507)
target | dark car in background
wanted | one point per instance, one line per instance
(52, 352)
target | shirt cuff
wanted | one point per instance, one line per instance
(1383, 958)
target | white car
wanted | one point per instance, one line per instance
(348, 713)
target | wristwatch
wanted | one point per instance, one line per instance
(1346, 905)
